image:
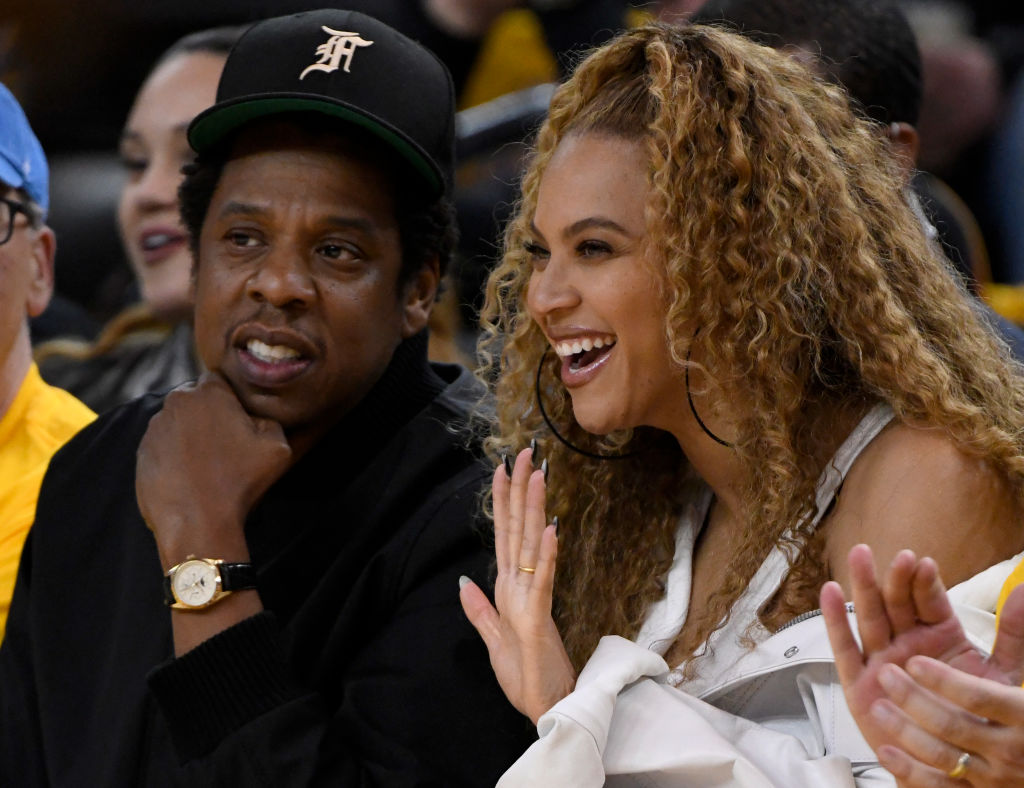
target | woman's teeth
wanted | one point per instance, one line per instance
(573, 347)
(270, 353)
(152, 242)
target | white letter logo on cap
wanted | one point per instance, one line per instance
(339, 45)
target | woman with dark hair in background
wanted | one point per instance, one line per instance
(149, 346)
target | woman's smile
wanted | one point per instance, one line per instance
(583, 357)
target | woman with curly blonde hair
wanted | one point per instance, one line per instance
(739, 356)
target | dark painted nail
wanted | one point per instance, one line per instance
(533, 451)
(554, 522)
(544, 469)
(507, 463)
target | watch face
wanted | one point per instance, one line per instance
(195, 583)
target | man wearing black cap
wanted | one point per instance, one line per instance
(267, 595)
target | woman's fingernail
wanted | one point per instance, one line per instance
(554, 524)
(462, 581)
(507, 463)
(544, 469)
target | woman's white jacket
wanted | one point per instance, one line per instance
(777, 718)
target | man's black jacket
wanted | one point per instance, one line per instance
(362, 671)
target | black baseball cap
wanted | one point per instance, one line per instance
(345, 65)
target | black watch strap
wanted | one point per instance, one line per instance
(168, 593)
(237, 577)
(233, 577)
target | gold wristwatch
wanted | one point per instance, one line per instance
(197, 583)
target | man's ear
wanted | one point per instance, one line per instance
(904, 140)
(44, 252)
(418, 298)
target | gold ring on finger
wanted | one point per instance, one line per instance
(960, 769)
(528, 569)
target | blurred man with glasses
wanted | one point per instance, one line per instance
(35, 419)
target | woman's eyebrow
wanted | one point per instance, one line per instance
(586, 224)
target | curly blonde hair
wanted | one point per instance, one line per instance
(778, 223)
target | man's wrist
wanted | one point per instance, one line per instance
(198, 582)
(203, 538)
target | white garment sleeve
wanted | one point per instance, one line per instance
(625, 726)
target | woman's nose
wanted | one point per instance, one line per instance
(552, 288)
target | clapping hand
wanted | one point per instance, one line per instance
(526, 651)
(937, 712)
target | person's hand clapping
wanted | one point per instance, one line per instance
(937, 712)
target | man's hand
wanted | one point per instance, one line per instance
(202, 465)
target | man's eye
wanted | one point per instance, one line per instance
(243, 239)
(339, 251)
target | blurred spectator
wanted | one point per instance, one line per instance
(35, 419)
(149, 347)
(962, 82)
(972, 53)
(869, 48)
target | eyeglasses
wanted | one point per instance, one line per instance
(8, 210)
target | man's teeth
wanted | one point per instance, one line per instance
(270, 353)
(572, 347)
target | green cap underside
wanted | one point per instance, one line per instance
(210, 130)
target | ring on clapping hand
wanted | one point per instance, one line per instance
(961, 766)
(528, 569)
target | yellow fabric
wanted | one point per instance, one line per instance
(1007, 300)
(514, 55)
(40, 420)
(1015, 579)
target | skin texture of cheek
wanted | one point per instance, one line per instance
(168, 289)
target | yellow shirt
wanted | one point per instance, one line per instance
(40, 420)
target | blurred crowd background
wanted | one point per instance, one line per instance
(75, 66)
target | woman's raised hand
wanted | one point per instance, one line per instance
(936, 711)
(526, 651)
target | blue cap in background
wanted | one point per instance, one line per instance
(22, 162)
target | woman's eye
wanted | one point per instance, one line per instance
(535, 252)
(593, 248)
(134, 165)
